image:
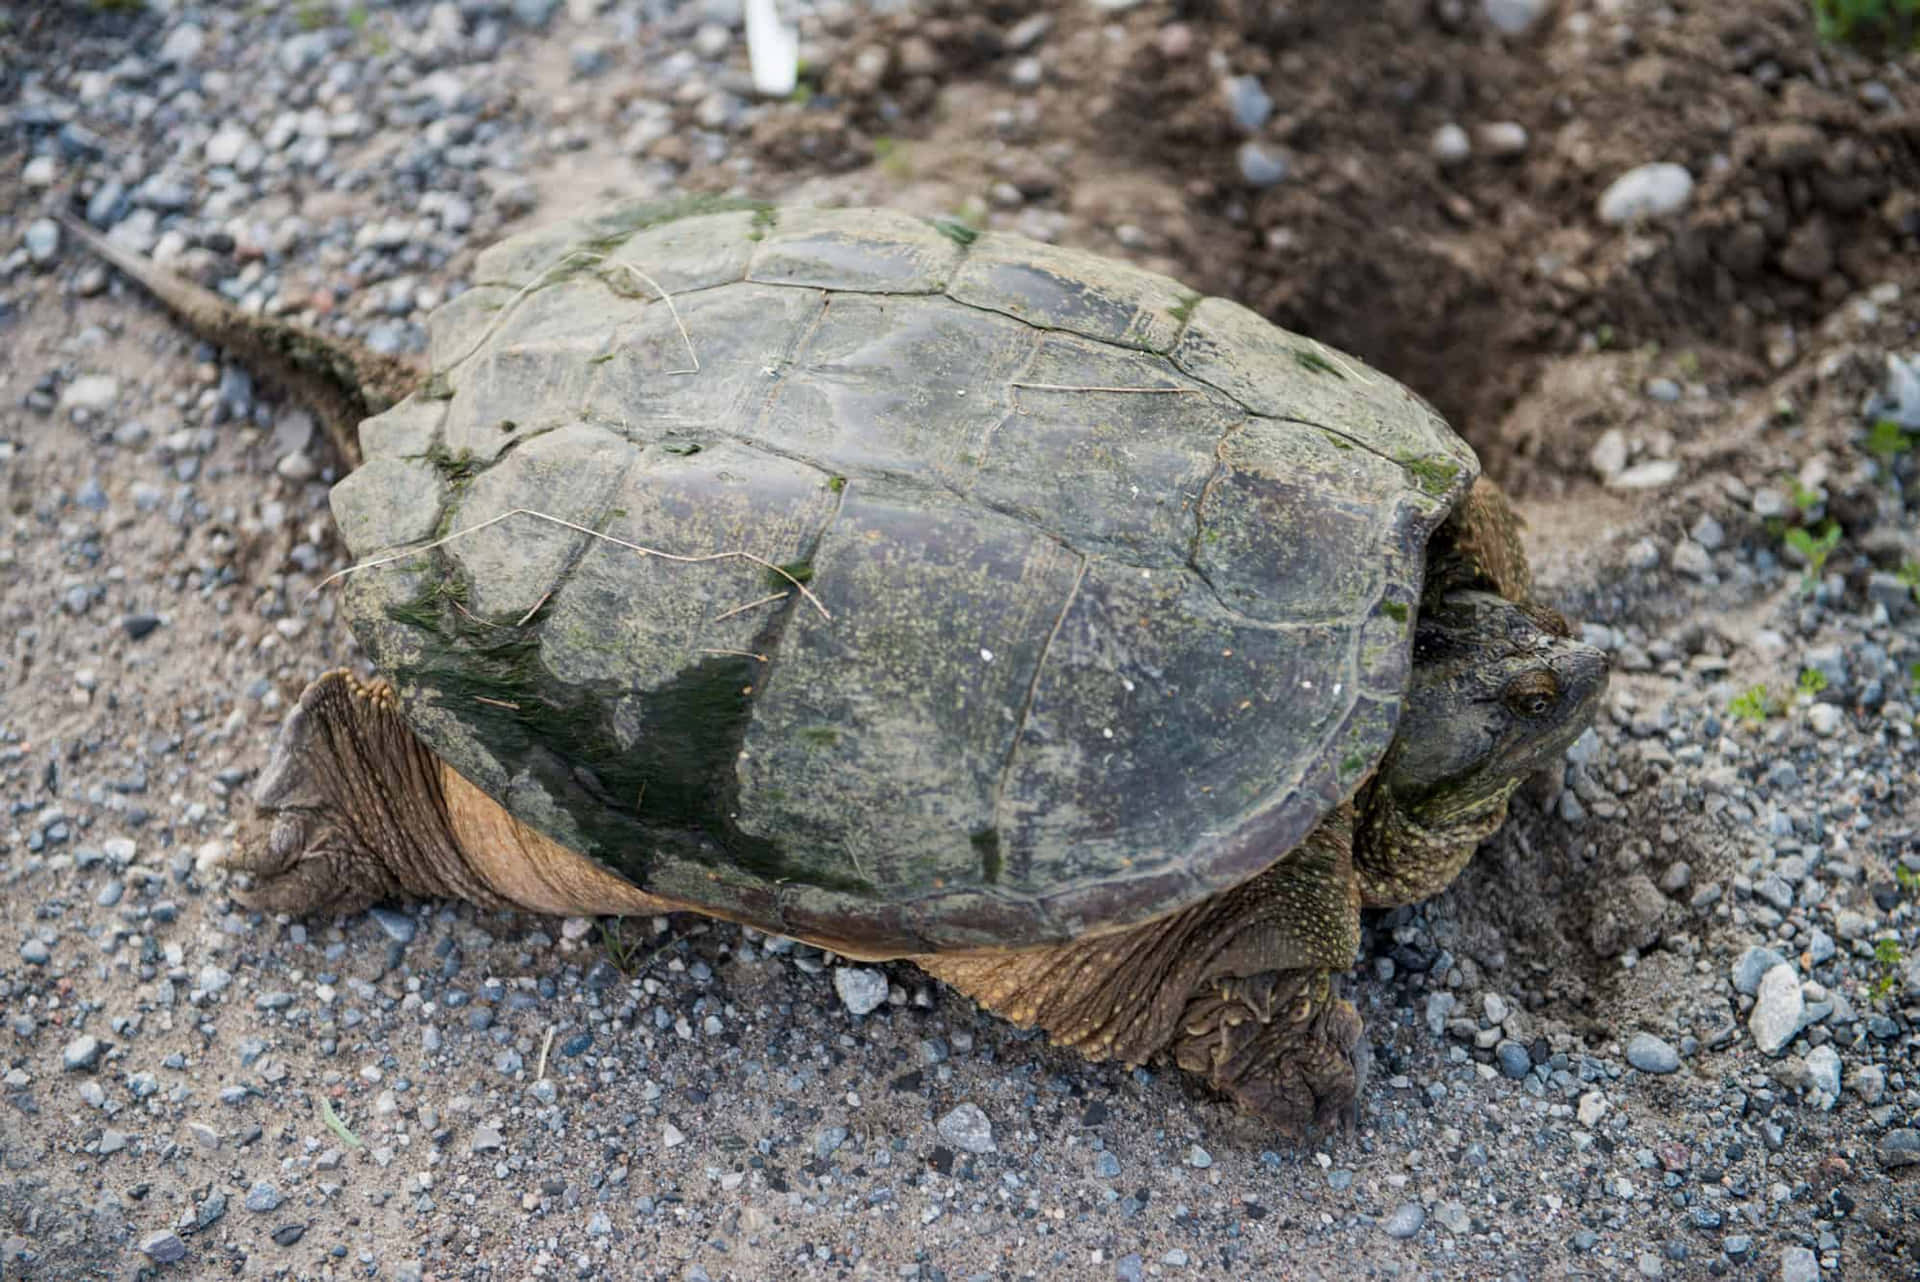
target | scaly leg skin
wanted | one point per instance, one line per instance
(353, 811)
(356, 810)
(1241, 989)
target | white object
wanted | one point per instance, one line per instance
(773, 50)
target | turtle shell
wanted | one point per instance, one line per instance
(862, 576)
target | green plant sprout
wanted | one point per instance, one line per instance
(1805, 498)
(1894, 24)
(1887, 957)
(1887, 441)
(1812, 681)
(1814, 549)
(1752, 705)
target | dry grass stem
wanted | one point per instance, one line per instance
(667, 298)
(522, 621)
(742, 609)
(1338, 359)
(498, 703)
(1137, 391)
(589, 531)
(745, 654)
(545, 1046)
(567, 259)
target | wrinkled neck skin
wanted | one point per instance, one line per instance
(1498, 692)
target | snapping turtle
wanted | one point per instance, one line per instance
(927, 594)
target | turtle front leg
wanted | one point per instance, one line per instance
(1241, 989)
(350, 810)
(356, 810)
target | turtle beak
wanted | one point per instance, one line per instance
(1581, 672)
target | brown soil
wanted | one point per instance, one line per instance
(1461, 280)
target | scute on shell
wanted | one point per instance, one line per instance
(1108, 587)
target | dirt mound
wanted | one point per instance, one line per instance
(1438, 209)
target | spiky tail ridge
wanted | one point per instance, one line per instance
(341, 380)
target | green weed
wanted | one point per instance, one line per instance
(1812, 681)
(1887, 957)
(1804, 498)
(1752, 705)
(1887, 441)
(1814, 549)
(1892, 24)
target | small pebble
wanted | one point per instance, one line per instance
(1406, 1220)
(81, 1054)
(861, 990)
(1651, 1054)
(967, 1129)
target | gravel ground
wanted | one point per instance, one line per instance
(1664, 1027)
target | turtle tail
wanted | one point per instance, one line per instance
(341, 380)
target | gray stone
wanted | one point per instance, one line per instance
(1515, 17)
(1262, 165)
(1513, 1059)
(861, 990)
(1504, 138)
(95, 393)
(1450, 144)
(1651, 1054)
(1900, 1147)
(828, 1141)
(1129, 1268)
(1899, 398)
(1646, 192)
(34, 952)
(967, 1129)
(81, 1054)
(1774, 889)
(1751, 966)
(1198, 1158)
(1439, 1008)
(1778, 1010)
(486, 1139)
(1405, 1220)
(1649, 475)
(1823, 1067)
(1825, 719)
(1820, 947)
(1249, 102)
(1799, 1264)
(183, 44)
(263, 1197)
(163, 1248)
(535, 13)
(398, 926)
(42, 240)
(1690, 559)
(1870, 1084)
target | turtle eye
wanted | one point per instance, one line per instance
(1531, 694)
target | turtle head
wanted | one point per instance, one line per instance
(1499, 690)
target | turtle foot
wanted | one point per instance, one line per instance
(1284, 1045)
(348, 811)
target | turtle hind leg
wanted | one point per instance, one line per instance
(1242, 989)
(349, 810)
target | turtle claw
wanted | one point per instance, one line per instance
(320, 878)
(1285, 1045)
